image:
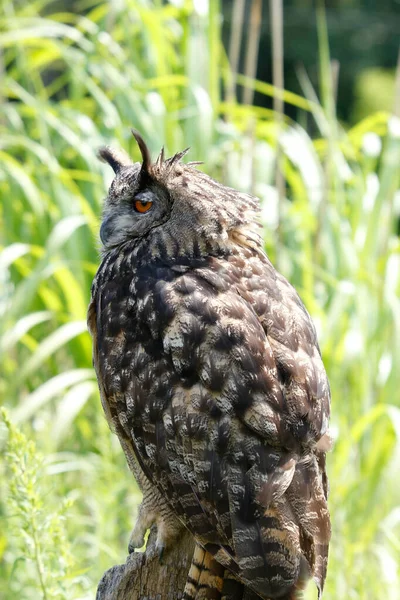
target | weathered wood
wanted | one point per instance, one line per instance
(144, 577)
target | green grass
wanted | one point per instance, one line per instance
(72, 83)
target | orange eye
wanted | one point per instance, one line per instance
(142, 207)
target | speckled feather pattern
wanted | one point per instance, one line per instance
(210, 373)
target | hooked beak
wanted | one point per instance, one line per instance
(105, 230)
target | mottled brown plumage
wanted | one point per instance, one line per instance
(210, 373)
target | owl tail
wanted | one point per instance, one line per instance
(205, 578)
(233, 589)
(307, 496)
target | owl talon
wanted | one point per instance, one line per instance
(160, 549)
(131, 548)
(135, 545)
(136, 540)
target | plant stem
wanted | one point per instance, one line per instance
(276, 12)
(38, 559)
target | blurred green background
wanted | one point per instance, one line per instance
(76, 75)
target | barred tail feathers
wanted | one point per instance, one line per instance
(205, 578)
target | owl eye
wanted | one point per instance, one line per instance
(142, 207)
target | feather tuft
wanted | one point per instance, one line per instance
(117, 159)
(160, 159)
(145, 152)
(174, 160)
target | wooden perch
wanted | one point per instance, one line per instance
(144, 577)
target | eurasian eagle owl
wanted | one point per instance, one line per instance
(210, 374)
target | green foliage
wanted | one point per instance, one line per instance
(374, 90)
(37, 558)
(72, 83)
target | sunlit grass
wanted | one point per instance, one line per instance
(72, 83)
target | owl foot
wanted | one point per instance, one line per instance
(144, 521)
(168, 528)
(136, 539)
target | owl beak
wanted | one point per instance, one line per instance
(105, 230)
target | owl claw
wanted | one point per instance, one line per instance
(134, 545)
(131, 548)
(160, 548)
(137, 539)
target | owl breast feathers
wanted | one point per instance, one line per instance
(210, 372)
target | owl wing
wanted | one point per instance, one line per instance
(221, 407)
(111, 401)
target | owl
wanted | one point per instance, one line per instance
(211, 376)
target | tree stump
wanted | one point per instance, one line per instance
(145, 577)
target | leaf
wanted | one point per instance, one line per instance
(11, 253)
(49, 390)
(69, 407)
(23, 325)
(51, 344)
(63, 231)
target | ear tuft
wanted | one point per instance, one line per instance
(175, 159)
(145, 152)
(178, 156)
(115, 158)
(160, 159)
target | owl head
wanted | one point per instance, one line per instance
(170, 206)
